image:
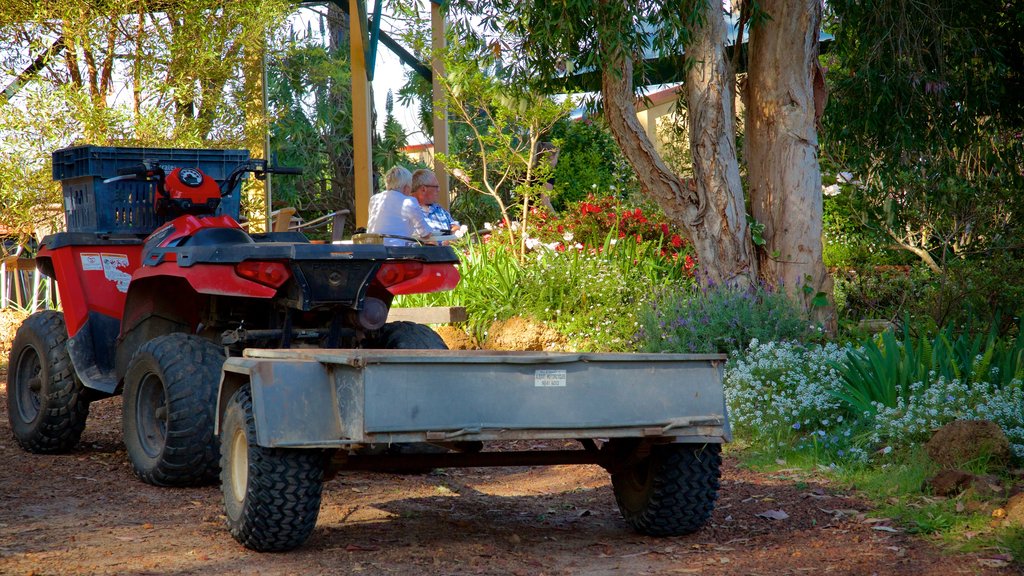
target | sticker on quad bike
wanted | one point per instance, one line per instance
(92, 261)
(112, 265)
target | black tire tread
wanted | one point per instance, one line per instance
(282, 499)
(190, 368)
(405, 335)
(65, 408)
(683, 491)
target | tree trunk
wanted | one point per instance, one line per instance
(782, 152)
(711, 208)
(342, 161)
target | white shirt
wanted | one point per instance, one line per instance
(392, 212)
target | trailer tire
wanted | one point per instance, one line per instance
(46, 403)
(170, 400)
(271, 495)
(671, 492)
(408, 336)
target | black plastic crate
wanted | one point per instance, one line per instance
(90, 205)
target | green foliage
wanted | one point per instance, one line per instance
(388, 150)
(588, 160)
(174, 78)
(504, 125)
(971, 292)
(880, 373)
(925, 114)
(589, 291)
(883, 370)
(600, 220)
(541, 39)
(311, 122)
(718, 319)
(591, 296)
(491, 288)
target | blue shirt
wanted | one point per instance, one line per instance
(438, 218)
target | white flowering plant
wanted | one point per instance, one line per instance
(784, 395)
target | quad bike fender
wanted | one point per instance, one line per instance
(210, 279)
(155, 306)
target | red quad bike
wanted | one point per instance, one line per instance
(153, 317)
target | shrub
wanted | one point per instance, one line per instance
(885, 371)
(781, 394)
(778, 392)
(598, 218)
(718, 319)
(588, 160)
(591, 296)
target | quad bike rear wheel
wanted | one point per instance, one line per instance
(672, 491)
(271, 495)
(46, 403)
(408, 336)
(412, 336)
(170, 399)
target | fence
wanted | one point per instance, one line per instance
(23, 286)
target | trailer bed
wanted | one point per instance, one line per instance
(314, 398)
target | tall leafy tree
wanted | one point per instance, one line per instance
(926, 113)
(545, 40)
(311, 115)
(170, 74)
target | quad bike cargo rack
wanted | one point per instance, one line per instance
(126, 207)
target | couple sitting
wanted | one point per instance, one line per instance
(408, 208)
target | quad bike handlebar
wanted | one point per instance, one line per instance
(154, 171)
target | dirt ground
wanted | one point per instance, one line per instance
(85, 513)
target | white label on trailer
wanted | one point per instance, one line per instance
(91, 261)
(549, 378)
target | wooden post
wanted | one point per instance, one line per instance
(361, 142)
(440, 114)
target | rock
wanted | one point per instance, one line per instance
(523, 334)
(948, 482)
(970, 441)
(986, 487)
(1014, 511)
(457, 339)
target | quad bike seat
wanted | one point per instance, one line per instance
(214, 236)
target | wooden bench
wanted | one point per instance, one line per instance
(429, 315)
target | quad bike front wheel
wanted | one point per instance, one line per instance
(271, 495)
(170, 400)
(671, 491)
(46, 404)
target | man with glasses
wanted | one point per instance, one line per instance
(425, 189)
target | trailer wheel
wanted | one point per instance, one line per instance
(408, 336)
(271, 495)
(170, 399)
(671, 492)
(46, 403)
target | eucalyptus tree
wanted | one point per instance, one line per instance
(542, 42)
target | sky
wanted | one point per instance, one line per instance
(390, 74)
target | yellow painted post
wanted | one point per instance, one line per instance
(361, 142)
(440, 117)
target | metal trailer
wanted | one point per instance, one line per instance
(287, 419)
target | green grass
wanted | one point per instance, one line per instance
(893, 487)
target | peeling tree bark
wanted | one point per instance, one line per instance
(711, 207)
(782, 151)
